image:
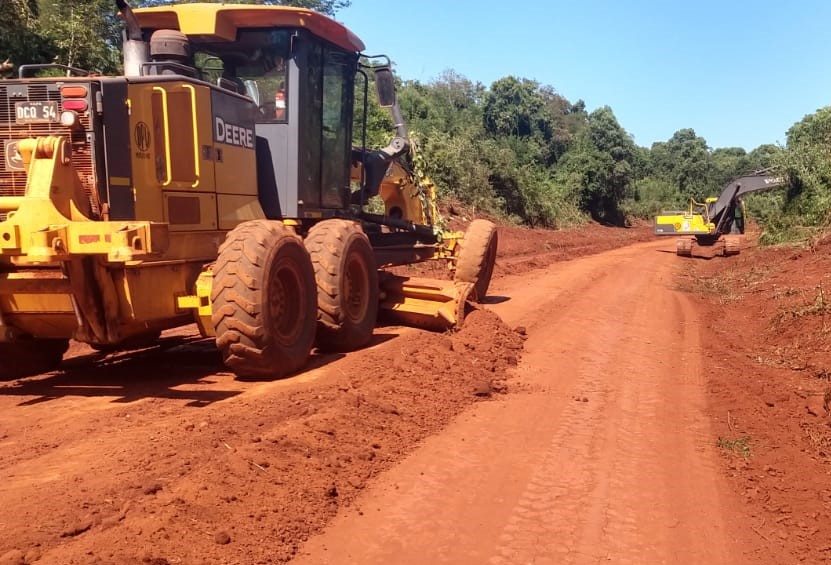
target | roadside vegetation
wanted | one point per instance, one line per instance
(515, 148)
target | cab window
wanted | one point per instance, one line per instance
(256, 65)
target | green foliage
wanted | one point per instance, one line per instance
(795, 215)
(598, 169)
(19, 38)
(651, 196)
(82, 33)
(684, 160)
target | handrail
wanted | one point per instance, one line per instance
(166, 120)
(195, 133)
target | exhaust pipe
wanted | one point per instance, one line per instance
(136, 51)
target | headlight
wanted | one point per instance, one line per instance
(69, 118)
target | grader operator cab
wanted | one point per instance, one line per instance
(213, 182)
(718, 222)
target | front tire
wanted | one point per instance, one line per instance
(347, 284)
(26, 358)
(264, 302)
(478, 257)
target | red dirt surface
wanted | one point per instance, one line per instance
(626, 406)
(768, 361)
(160, 456)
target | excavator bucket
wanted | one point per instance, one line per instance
(426, 303)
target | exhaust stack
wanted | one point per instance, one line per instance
(136, 50)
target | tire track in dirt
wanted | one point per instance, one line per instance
(604, 454)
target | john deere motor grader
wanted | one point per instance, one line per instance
(212, 183)
(716, 221)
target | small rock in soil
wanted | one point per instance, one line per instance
(332, 491)
(388, 408)
(76, 529)
(482, 388)
(815, 405)
(222, 538)
(151, 488)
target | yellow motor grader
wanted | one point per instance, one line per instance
(214, 182)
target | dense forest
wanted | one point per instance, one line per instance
(515, 148)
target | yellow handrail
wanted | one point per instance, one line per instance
(166, 119)
(195, 133)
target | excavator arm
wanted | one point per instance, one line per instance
(721, 210)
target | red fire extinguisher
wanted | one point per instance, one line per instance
(280, 105)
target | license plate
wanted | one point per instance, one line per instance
(36, 112)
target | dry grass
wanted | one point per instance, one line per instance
(817, 305)
(739, 446)
(728, 285)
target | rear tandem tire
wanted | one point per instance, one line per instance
(264, 302)
(477, 257)
(347, 284)
(25, 358)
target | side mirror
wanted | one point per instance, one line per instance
(385, 87)
(252, 89)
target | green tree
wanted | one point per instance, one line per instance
(599, 168)
(807, 161)
(684, 160)
(83, 33)
(20, 41)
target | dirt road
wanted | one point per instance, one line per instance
(406, 452)
(603, 453)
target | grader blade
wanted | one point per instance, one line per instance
(426, 303)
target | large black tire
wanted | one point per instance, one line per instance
(264, 300)
(477, 257)
(347, 284)
(25, 358)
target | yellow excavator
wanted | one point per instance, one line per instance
(216, 181)
(718, 222)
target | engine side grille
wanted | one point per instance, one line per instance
(13, 183)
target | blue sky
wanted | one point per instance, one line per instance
(740, 73)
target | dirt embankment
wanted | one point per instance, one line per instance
(768, 360)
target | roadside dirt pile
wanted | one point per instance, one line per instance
(769, 370)
(212, 485)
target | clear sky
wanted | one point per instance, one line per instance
(739, 73)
